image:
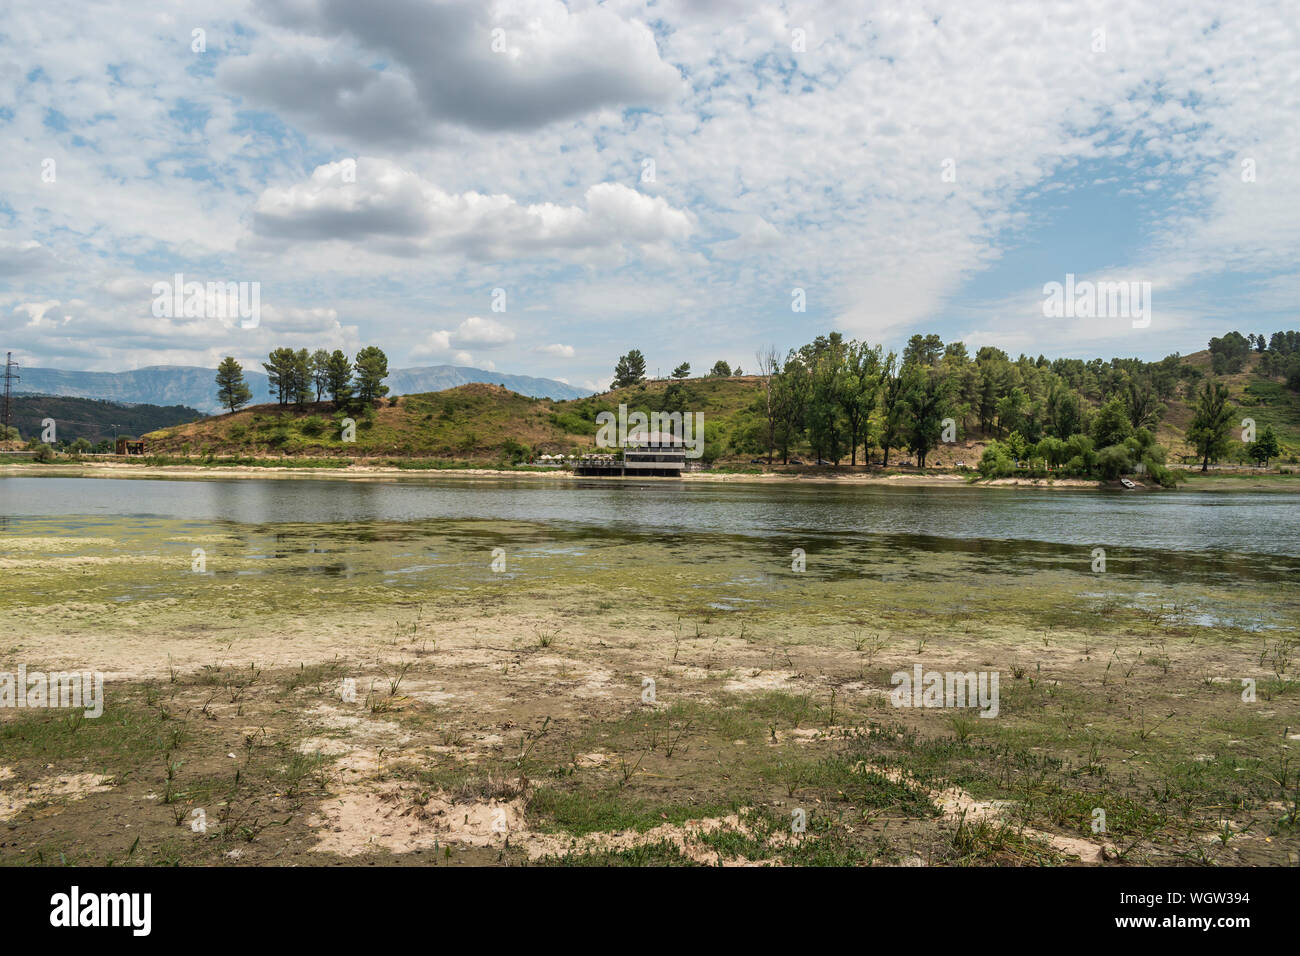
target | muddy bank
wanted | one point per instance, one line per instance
(375, 693)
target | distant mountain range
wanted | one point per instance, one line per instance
(196, 387)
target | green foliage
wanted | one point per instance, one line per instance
(1113, 461)
(232, 390)
(1209, 430)
(997, 461)
(371, 369)
(1111, 424)
(630, 370)
(516, 453)
(1266, 447)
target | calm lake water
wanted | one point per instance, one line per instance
(1265, 523)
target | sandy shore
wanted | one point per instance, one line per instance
(367, 471)
(363, 472)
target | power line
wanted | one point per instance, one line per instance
(10, 378)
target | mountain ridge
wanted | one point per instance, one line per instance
(195, 386)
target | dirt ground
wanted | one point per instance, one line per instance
(377, 694)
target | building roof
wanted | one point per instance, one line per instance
(647, 437)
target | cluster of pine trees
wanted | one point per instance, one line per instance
(294, 376)
(631, 370)
(1280, 354)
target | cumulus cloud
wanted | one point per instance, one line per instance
(474, 332)
(822, 168)
(484, 66)
(482, 333)
(560, 351)
(405, 214)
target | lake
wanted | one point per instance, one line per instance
(1253, 523)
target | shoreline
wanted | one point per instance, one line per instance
(370, 472)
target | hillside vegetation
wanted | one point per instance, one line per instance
(993, 400)
(92, 420)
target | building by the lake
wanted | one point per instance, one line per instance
(646, 454)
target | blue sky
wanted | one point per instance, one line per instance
(380, 169)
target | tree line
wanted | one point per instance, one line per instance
(295, 376)
(846, 398)
(630, 370)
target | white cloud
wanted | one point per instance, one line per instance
(560, 351)
(476, 332)
(403, 214)
(522, 170)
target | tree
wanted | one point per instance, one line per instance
(338, 378)
(823, 415)
(232, 390)
(1064, 412)
(1208, 431)
(371, 368)
(790, 397)
(301, 377)
(320, 374)
(720, 369)
(630, 370)
(859, 387)
(926, 396)
(769, 366)
(1111, 425)
(893, 412)
(281, 373)
(1144, 407)
(682, 371)
(1113, 462)
(1266, 447)
(923, 350)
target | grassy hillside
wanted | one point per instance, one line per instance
(472, 422)
(490, 424)
(1267, 400)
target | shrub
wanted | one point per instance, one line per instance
(515, 452)
(996, 461)
(1113, 461)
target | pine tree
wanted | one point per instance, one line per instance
(232, 390)
(339, 378)
(630, 370)
(320, 364)
(371, 368)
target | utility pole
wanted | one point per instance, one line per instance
(10, 378)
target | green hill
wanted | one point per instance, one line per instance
(478, 422)
(92, 419)
(992, 396)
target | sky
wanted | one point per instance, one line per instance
(537, 187)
